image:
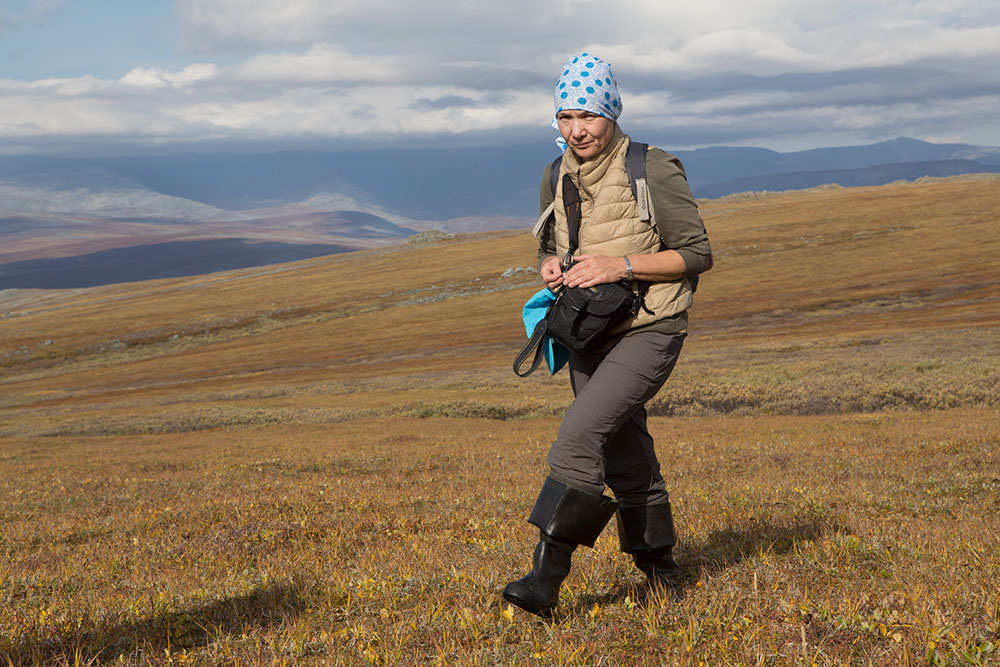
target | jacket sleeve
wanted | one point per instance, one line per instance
(546, 239)
(676, 212)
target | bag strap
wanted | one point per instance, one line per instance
(571, 201)
(534, 343)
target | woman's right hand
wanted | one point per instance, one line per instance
(552, 274)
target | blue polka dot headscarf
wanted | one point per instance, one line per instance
(588, 84)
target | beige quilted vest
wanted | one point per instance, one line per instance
(610, 225)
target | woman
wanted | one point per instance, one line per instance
(603, 439)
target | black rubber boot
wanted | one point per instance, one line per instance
(647, 532)
(538, 591)
(566, 517)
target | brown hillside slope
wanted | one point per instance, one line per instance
(820, 301)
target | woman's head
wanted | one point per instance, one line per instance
(587, 105)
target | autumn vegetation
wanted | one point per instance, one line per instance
(331, 463)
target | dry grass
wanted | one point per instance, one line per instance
(827, 540)
(330, 462)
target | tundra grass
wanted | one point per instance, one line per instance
(330, 462)
(863, 539)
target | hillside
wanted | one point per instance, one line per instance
(893, 288)
(331, 462)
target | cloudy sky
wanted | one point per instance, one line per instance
(106, 75)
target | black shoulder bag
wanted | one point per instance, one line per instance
(581, 317)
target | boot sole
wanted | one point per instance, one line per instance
(512, 597)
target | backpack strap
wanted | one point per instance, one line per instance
(554, 174)
(547, 213)
(635, 164)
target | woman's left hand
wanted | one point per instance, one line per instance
(590, 270)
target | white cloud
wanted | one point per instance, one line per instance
(848, 33)
(207, 101)
(385, 68)
(154, 78)
(213, 24)
(322, 63)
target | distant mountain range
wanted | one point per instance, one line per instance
(91, 190)
(716, 172)
(879, 174)
(263, 208)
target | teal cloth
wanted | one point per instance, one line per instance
(556, 354)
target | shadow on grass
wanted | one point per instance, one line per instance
(718, 551)
(724, 548)
(147, 639)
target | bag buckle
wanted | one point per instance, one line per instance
(567, 260)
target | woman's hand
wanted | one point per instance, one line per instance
(552, 274)
(590, 270)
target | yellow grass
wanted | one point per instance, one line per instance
(330, 462)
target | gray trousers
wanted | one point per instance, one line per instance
(603, 437)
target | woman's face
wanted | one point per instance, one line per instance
(586, 133)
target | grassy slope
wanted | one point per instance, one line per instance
(895, 289)
(304, 461)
